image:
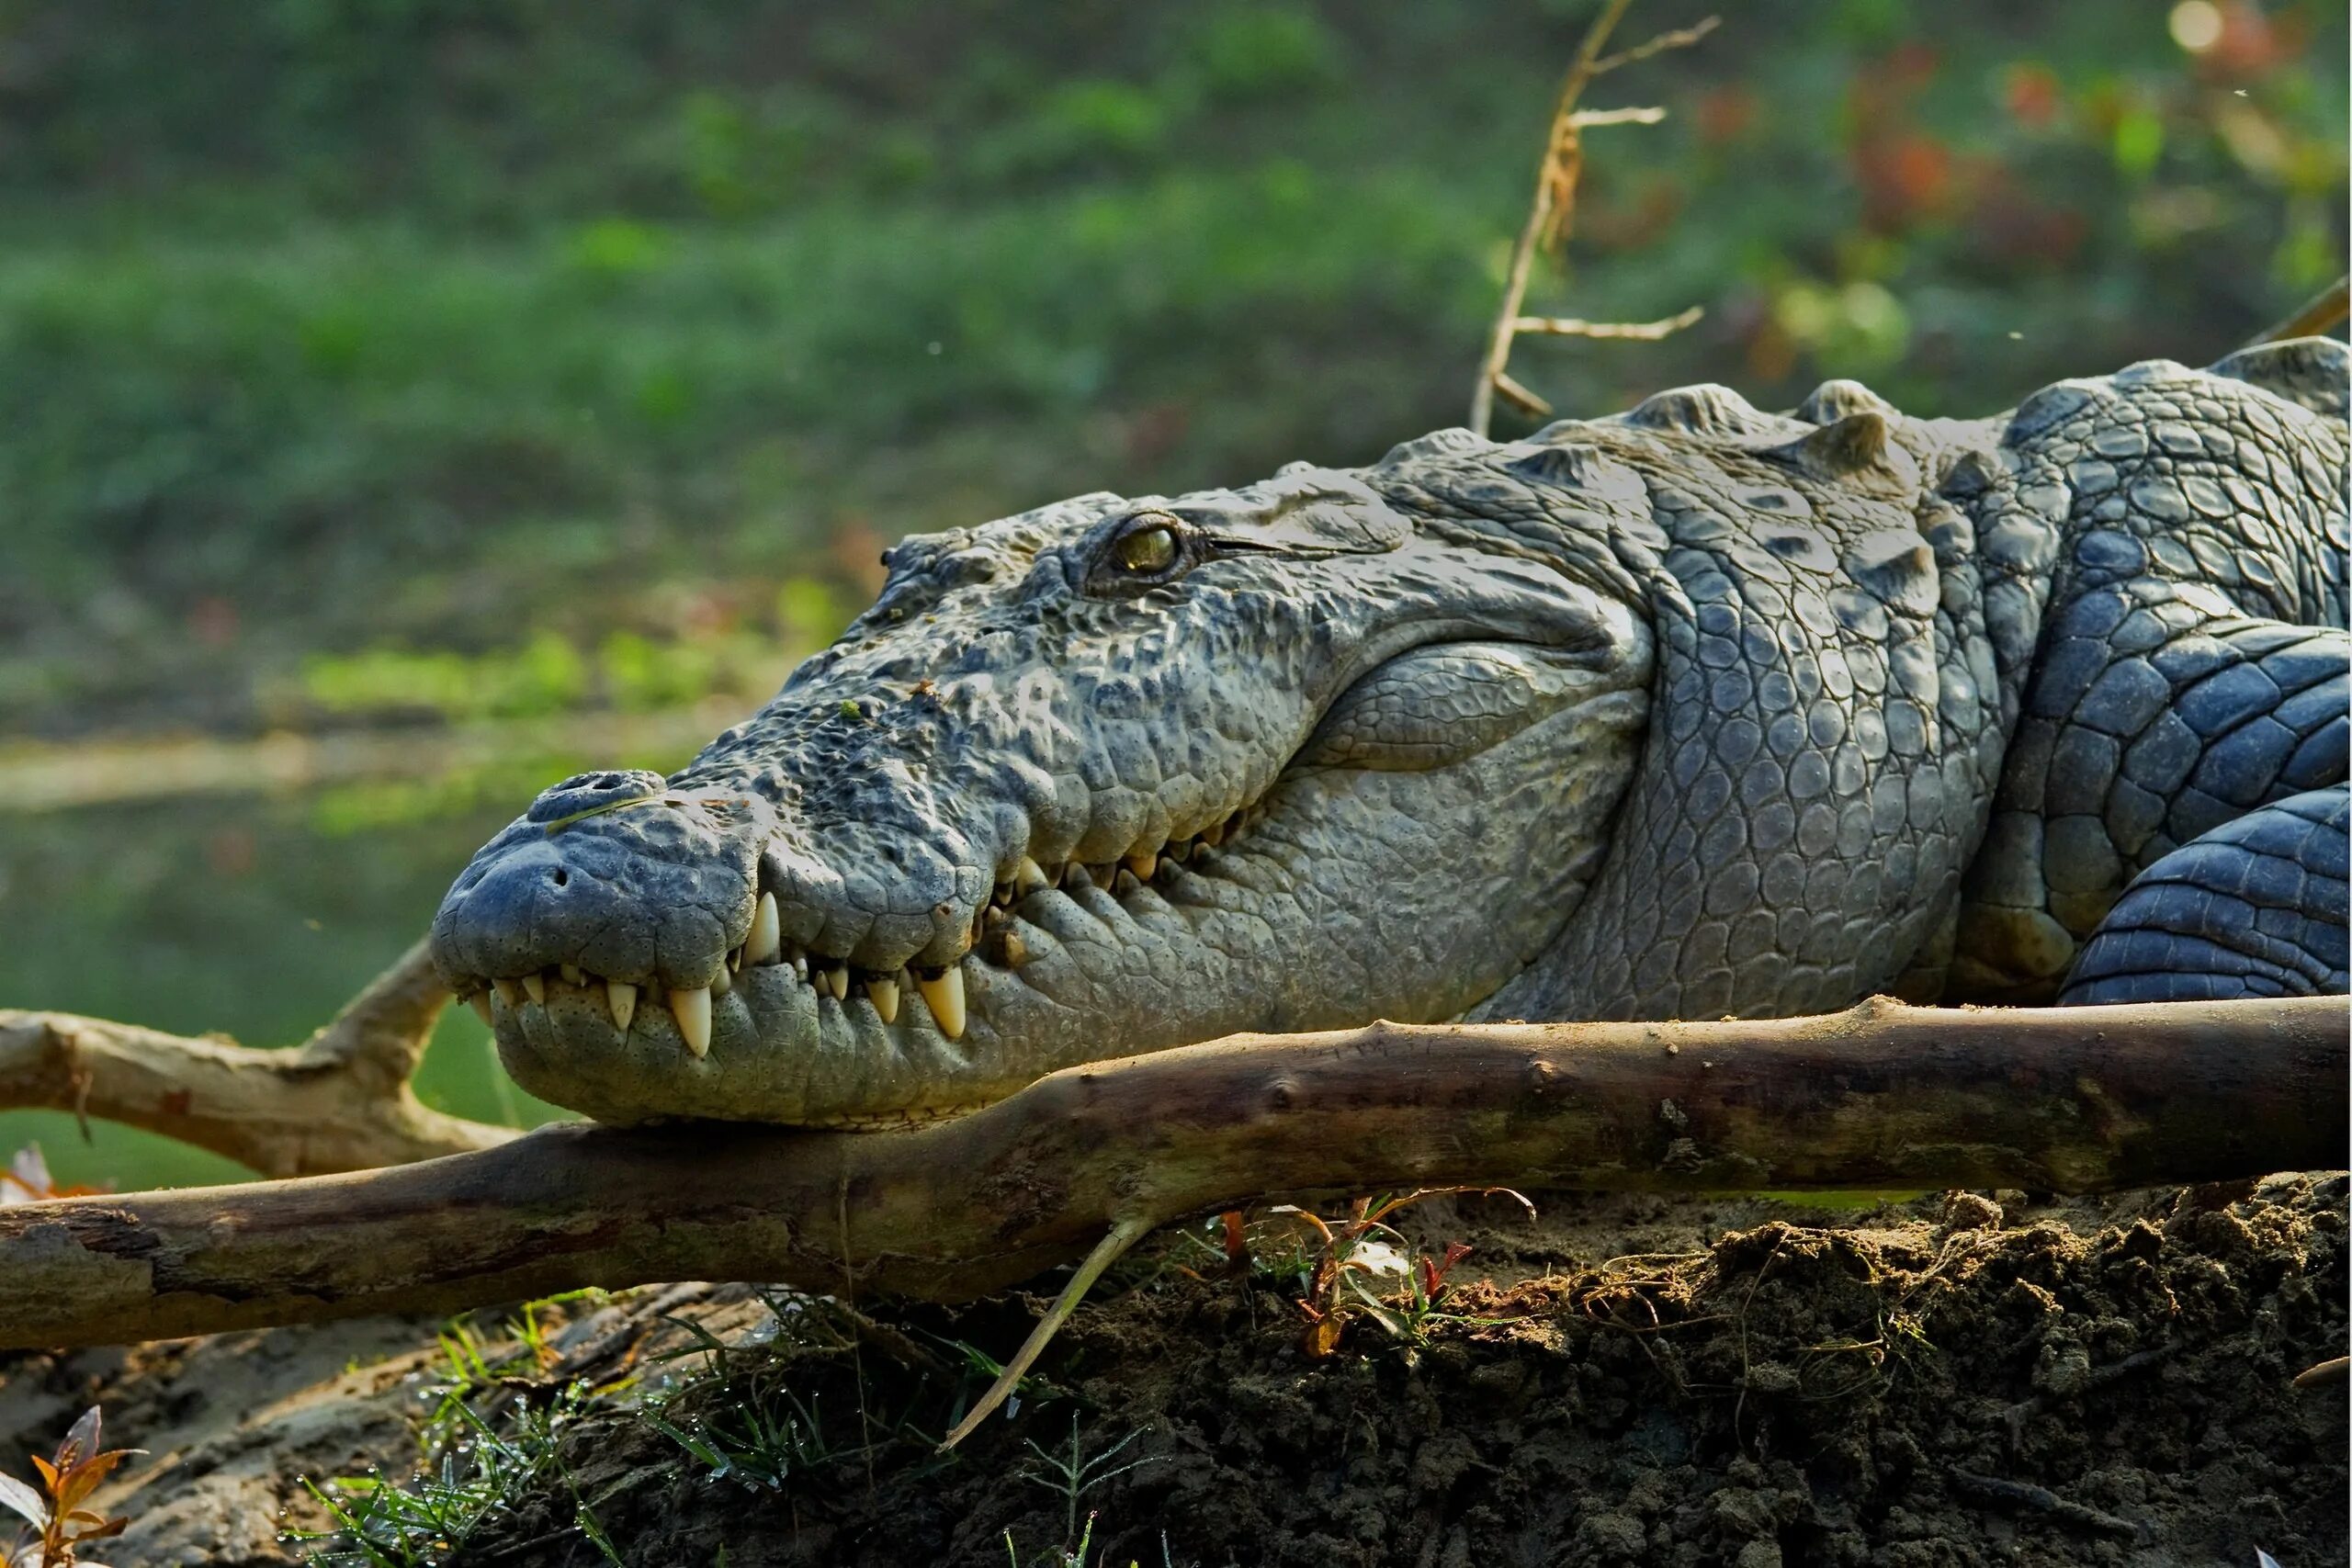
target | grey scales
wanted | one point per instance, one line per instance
(1689, 712)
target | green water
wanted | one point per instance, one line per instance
(245, 916)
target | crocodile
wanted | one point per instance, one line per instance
(1691, 711)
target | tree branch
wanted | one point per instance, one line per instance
(1881, 1096)
(339, 1102)
(1551, 212)
(1675, 37)
(1646, 332)
(2322, 312)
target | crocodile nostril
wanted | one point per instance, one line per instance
(562, 877)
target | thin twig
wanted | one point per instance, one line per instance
(2040, 1500)
(1521, 396)
(1677, 38)
(1551, 212)
(1572, 326)
(1584, 118)
(2322, 312)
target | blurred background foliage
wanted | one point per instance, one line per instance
(428, 365)
(328, 325)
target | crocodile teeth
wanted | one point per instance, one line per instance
(722, 983)
(1213, 834)
(623, 998)
(1143, 863)
(836, 980)
(767, 932)
(692, 1010)
(943, 994)
(536, 988)
(801, 966)
(883, 992)
(508, 991)
(1028, 877)
(480, 1002)
(571, 974)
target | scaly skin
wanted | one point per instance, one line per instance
(1693, 711)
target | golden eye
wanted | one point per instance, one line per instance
(1149, 551)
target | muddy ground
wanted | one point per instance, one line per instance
(1967, 1379)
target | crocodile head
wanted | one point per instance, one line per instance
(1106, 777)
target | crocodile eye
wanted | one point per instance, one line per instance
(1147, 551)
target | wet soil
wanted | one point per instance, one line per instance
(1967, 1379)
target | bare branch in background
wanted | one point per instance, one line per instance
(1571, 326)
(2068, 1099)
(1552, 213)
(339, 1102)
(1677, 38)
(2322, 312)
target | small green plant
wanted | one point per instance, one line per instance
(1074, 1475)
(68, 1477)
(760, 1442)
(473, 1473)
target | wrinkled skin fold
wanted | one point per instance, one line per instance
(1693, 711)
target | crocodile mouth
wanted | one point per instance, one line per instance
(779, 991)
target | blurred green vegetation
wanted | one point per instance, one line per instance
(372, 360)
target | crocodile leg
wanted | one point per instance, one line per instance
(2150, 725)
(2257, 907)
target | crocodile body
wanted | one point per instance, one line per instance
(1693, 711)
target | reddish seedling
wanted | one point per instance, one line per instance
(68, 1476)
(1355, 1252)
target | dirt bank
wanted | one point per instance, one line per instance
(1957, 1380)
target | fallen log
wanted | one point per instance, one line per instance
(2072, 1099)
(341, 1101)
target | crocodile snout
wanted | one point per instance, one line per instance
(612, 885)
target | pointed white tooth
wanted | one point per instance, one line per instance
(508, 991)
(767, 931)
(571, 974)
(944, 997)
(480, 1002)
(1028, 878)
(882, 991)
(623, 998)
(836, 979)
(536, 988)
(692, 1010)
(801, 966)
(722, 983)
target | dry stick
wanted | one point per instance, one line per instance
(1109, 1250)
(1551, 210)
(2322, 312)
(340, 1101)
(1881, 1096)
(1573, 326)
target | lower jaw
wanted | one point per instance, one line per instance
(782, 1051)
